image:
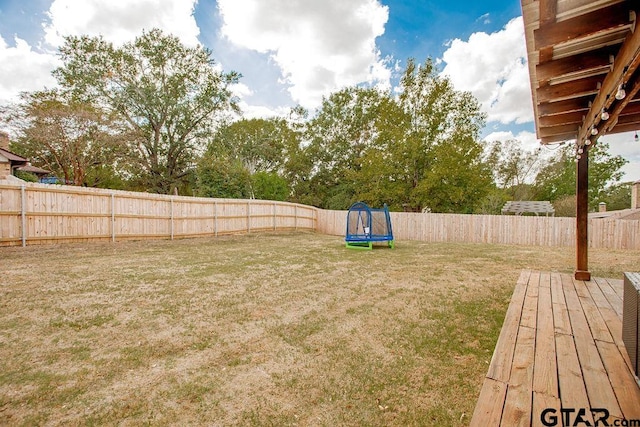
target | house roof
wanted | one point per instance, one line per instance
(12, 156)
(33, 169)
(22, 163)
(626, 214)
(580, 53)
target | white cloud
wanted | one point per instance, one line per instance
(24, 70)
(319, 46)
(528, 140)
(493, 67)
(120, 21)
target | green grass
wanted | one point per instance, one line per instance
(271, 329)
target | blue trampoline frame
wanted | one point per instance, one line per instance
(366, 225)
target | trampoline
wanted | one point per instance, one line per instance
(366, 226)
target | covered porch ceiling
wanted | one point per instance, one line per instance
(580, 54)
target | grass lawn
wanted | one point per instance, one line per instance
(271, 329)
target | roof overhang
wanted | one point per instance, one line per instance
(580, 52)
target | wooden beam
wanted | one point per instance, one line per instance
(548, 10)
(628, 119)
(602, 20)
(569, 90)
(575, 117)
(582, 218)
(631, 108)
(562, 107)
(554, 139)
(597, 62)
(571, 129)
(624, 66)
(625, 128)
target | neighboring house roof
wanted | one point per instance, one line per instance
(33, 169)
(21, 163)
(12, 156)
(621, 214)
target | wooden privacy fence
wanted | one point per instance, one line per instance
(501, 229)
(39, 213)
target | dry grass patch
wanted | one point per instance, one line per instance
(275, 329)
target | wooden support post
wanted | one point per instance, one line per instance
(582, 218)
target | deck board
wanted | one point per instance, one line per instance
(560, 347)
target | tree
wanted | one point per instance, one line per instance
(440, 158)
(514, 168)
(259, 144)
(457, 180)
(78, 142)
(417, 150)
(170, 96)
(262, 147)
(269, 186)
(348, 132)
(558, 178)
(221, 177)
(617, 196)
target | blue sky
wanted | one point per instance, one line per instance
(294, 52)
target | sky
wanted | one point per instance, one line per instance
(292, 52)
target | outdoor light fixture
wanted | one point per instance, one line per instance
(594, 131)
(620, 94)
(604, 115)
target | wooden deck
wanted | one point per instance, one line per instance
(560, 349)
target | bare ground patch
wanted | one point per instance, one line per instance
(273, 329)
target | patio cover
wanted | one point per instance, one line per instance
(583, 56)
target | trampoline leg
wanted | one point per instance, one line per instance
(392, 244)
(362, 246)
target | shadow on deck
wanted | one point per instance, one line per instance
(560, 357)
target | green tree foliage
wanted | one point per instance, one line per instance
(441, 154)
(77, 141)
(221, 177)
(171, 98)
(259, 144)
(514, 168)
(417, 150)
(269, 186)
(617, 196)
(343, 139)
(261, 147)
(558, 178)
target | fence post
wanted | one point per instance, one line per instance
(215, 218)
(113, 218)
(23, 214)
(171, 223)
